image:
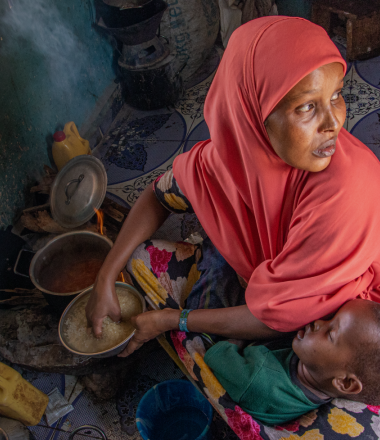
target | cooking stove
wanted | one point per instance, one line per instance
(149, 72)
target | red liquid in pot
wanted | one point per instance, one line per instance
(68, 276)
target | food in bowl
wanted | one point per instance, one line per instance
(75, 324)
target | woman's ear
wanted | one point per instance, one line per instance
(350, 384)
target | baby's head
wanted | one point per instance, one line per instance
(341, 356)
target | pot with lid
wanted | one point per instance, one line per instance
(78, 189)
(69, 263)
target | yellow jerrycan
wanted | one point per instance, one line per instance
(68, 144)
(19, 399)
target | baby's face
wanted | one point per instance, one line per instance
(326, 347)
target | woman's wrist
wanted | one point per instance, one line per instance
(231, 322)
(183, 320)
(105, 281)
(111, 268)
(169, 319)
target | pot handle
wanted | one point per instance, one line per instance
(16, 269)
(78, 181)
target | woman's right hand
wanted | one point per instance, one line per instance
(103, 302)
(146, 216)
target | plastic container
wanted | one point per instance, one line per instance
(19, 399)
(68, 144)
(174, 410)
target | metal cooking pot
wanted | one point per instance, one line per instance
(77, 246)
(128, 290)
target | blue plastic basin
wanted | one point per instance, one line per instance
(174, 410)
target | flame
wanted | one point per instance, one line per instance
(121, 277)
(100, 216)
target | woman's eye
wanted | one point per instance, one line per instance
(336, 95)
(306, 108)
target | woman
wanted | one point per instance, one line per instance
(288, 197)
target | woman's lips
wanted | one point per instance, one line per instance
(327, 149)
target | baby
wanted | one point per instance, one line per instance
(332, 358)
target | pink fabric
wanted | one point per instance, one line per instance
(244, 426)
(159, 259)
(374, 409)
(305, 242)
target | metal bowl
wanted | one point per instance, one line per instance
(73, 246)
(130, 290)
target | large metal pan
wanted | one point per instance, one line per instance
(76, 246)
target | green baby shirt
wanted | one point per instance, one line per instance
(262, 382)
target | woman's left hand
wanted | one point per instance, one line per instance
(148, 325)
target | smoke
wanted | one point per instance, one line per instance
(40, 24)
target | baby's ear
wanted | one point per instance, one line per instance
(350, 384)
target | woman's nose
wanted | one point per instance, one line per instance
(330, 121)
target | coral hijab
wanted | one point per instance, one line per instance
(305, 242)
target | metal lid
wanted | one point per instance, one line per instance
(79, 187)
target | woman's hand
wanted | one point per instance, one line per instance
(146, 216)
(148, 325)
(103, 302)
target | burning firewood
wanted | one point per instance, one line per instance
(41, 221)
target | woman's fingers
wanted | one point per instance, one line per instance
(115, 315)
(145, 331)
(138, 339)
(97, 326)
(148, 326)
(132, 346)
(97, 323)
(103, 302)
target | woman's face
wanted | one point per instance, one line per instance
(304, 126)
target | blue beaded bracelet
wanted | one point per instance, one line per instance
(183, 320)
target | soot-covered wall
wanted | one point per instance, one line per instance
(54, 65)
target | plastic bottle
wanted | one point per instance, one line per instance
(19, 399)
(68, 144)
